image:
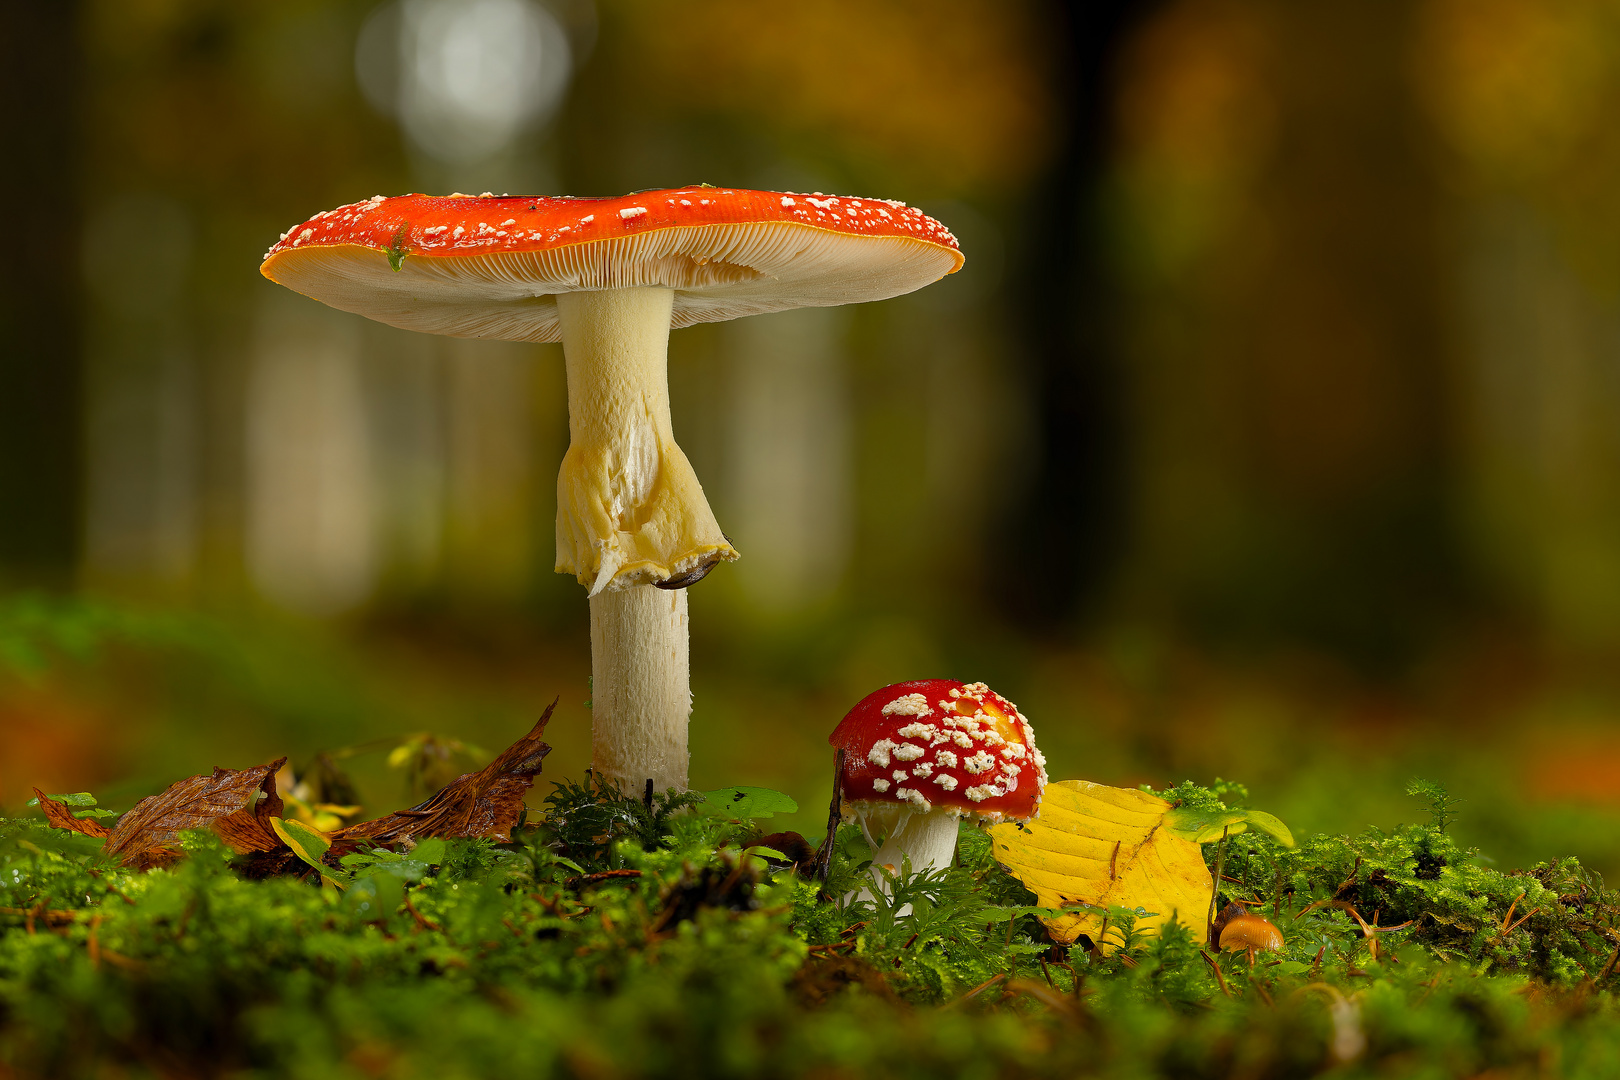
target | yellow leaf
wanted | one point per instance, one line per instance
(1106, 847)
(308, 844)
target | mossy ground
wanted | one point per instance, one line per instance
(616, 939)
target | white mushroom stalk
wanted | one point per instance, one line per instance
(631, 515)
(610, 278)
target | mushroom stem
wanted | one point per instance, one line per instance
(630, 510)
(926, 839)
(640, 695)
(631, 514)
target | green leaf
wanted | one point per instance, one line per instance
(308, 845)
(767, 853)
(81, 798)
(376, 896)
(429, 851)
(72, 845)
(397, 251)
(746, 803)
(1271, 823)
(1206, 826)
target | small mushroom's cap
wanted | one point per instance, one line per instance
(1251, 932)
(489, 267)
(940, 744)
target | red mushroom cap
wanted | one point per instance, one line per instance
(939, 743)
(487, 266)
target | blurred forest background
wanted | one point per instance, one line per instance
(1272, 430)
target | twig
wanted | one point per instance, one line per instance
(1215, 886)
(1522, 918)
(977, 990)
(833, 949)
(1608, 969)
(1349, 881)
(38, 911)
(825, 853)
(1220, 976)
(1079, 982)
(422, 921)
(1045, 996)
(1509, 916)
(577, 883)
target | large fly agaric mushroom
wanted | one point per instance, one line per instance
(921, 756)
(609, 278)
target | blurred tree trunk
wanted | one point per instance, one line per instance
(1282, 263)
(39, 333)
(1073, 511)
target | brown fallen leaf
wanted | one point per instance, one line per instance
(225, 802)
(484, 803)
(60, 814)
(248, 830)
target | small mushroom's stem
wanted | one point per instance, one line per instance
(640, 689)
(926, 840)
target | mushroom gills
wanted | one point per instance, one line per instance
(630, 510)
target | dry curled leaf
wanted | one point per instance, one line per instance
(60, 814)
(484, 803)
(1096, 847)
(226, 801)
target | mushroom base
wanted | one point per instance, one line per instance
(641, 694)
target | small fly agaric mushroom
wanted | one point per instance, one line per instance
(920, 756)
(609, 278)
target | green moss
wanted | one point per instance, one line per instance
(620, 937)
